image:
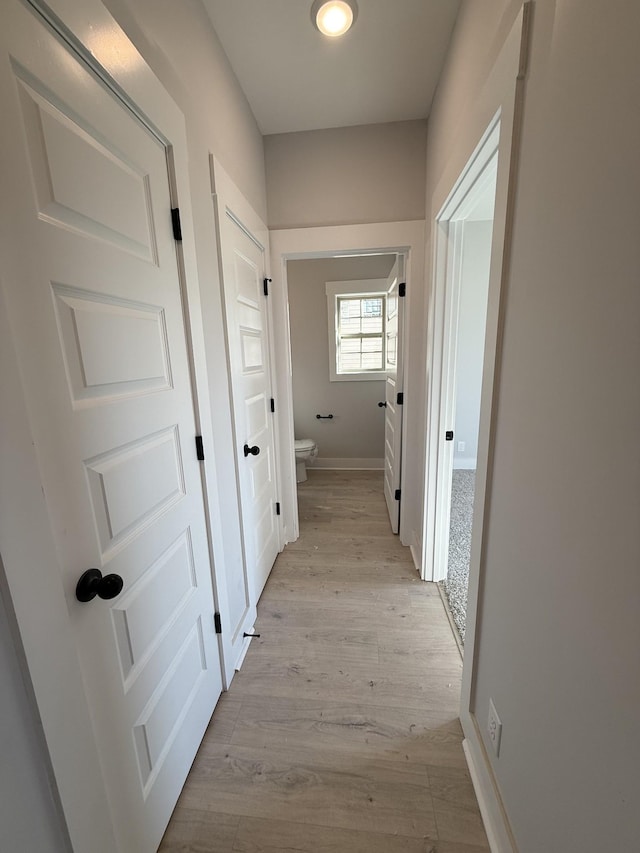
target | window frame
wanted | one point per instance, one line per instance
(335, 290)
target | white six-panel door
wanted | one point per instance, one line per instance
(393, 386)
(95, 304)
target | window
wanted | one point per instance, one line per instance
(360, 337)
(357, 317)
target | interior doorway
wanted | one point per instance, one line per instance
(353, 437)
(468, 328)
(346, 353)
(460, 298)
(336, 400)
(344, 243)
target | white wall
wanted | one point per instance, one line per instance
(179, 43)
(474, 290)
(346, 175)
(357, 429)
(29, 816)
(558, 630)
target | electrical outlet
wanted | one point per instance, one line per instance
(461, 446)
(494, 728)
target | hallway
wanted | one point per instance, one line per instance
(340, 732)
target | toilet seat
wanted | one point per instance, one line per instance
(303, 445)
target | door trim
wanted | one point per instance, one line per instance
(25, 533)
(448, 237)
(405, 238)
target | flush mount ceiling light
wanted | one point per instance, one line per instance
(334, 17)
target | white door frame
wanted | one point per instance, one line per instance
(444, 309)
(26, 539)
(405, 238)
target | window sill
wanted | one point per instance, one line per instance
(358, 377)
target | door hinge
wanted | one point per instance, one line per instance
(217, 621)
(277, 507)
(265, 285)
(402, 288)
(199, 449)
(175, 221)
(448, 436)
(273, 405)
(400, 398)
(397, 494)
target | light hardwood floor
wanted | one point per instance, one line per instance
(340, 734)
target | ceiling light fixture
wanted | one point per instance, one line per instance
(334, 17)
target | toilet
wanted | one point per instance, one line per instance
(306, 452)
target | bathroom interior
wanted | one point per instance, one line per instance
(354, 437)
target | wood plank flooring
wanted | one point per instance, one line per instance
(340, 734)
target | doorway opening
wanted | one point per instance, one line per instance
(470, 277)
(464, 240)
(347, 242)
(345, 319)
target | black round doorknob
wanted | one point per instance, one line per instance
(382, 405)
(93, 583)
(251, 450)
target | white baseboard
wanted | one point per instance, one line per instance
(349, 464)
(465, 463)
(493, 816)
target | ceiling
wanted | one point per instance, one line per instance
(384, 69)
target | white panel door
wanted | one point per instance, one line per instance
(94, 299)
(393, 387)
(248, 342)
